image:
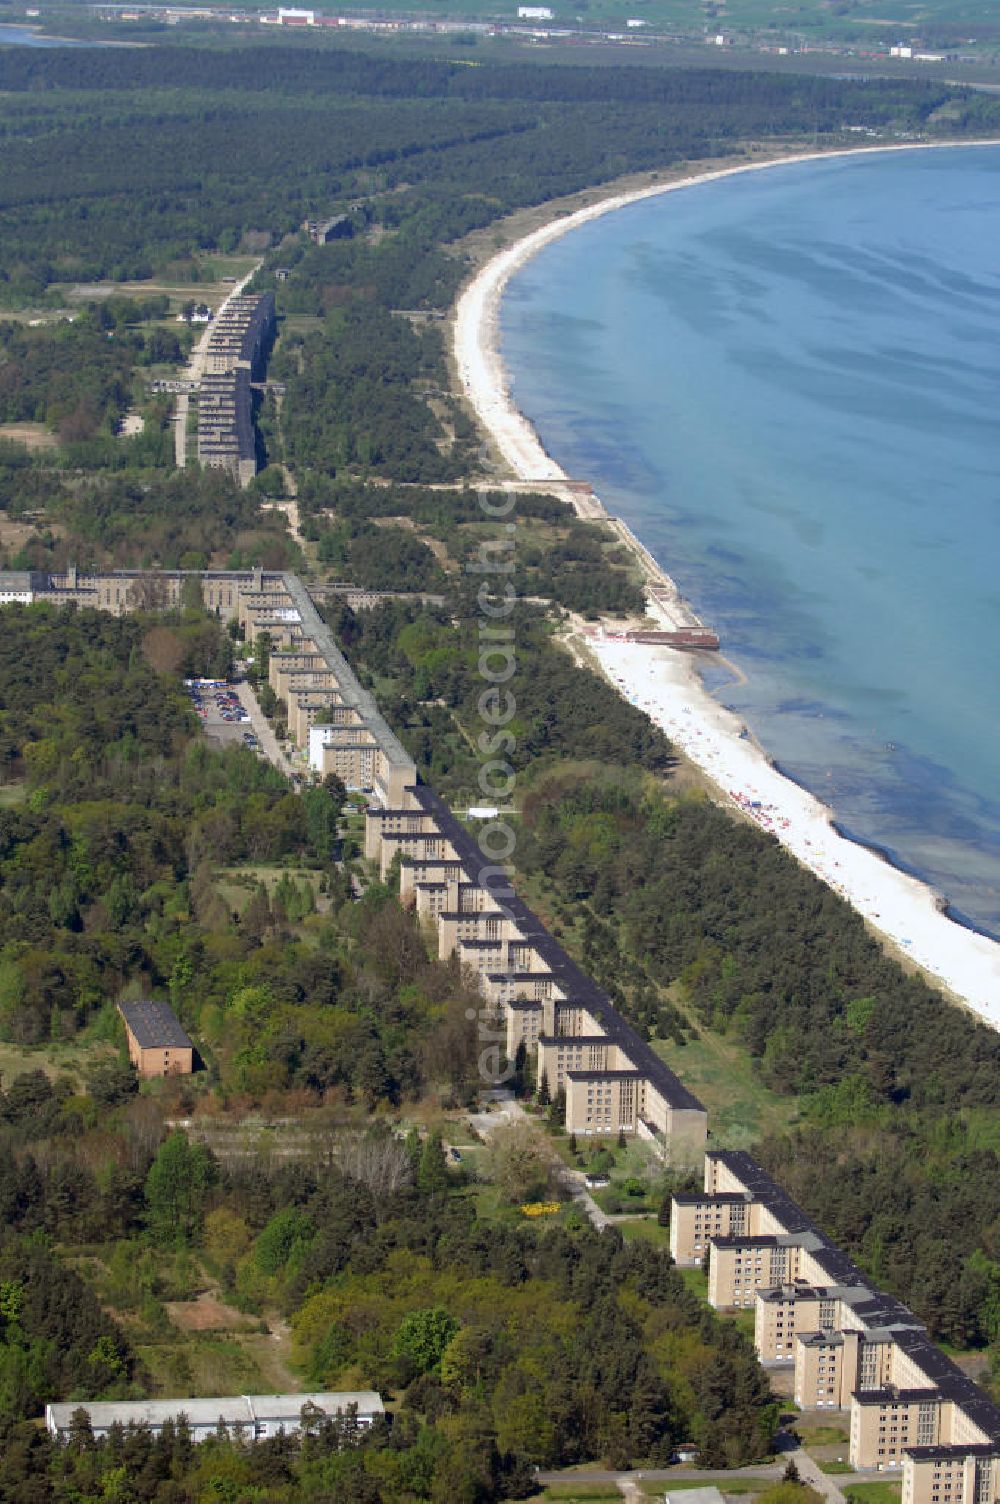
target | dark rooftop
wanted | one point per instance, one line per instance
(584, 990)
(950, 1453)
(154, 1026)
(748, 1240)
(762, 1188)
(632, 1075)
(564, 1039)
(890, 1395)
(953, 1384)
(699, 1198)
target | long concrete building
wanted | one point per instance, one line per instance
(613, 1081)
(330, 716)
(852, 1348)
(237, 353)
(252, 1416)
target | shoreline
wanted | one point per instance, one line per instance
(905, 912)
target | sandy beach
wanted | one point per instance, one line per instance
(664, 682)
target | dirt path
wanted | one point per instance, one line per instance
(289, 509)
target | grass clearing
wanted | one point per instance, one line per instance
(12, 794)
(236, 885)
(203, 1364)
(645, 1230)
(820, 1433)
(696, 1281)
(32, 436)
(62, 1058)
(874, 1493)
(741, 1108)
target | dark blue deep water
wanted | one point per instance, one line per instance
(788, 383)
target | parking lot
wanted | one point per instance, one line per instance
(222, 713)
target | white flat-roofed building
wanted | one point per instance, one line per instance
(257, 1415)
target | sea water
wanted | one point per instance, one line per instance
(24, 36)
(788, 384)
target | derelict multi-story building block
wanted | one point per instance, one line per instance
(853, 1348)
(330, 716)
(237, 354)
(612, 1079)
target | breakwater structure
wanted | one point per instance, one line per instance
(235, 359)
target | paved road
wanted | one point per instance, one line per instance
(266, 737)
(810, 1472)
(577, 1181)
(771, 1471)
(193, 370)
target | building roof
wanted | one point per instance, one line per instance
(571, 1039)
(289, 1406)
(703, 1198)
(233, 1410)
(475, 914)
(758, 1182)
(820, 1339)
(154, 1026)
(489, 874)
(953, 1384)
(603, 1075)
(890, 1395)
(359, 699)
(951, 1453)
(103, 1413)
(528, 976)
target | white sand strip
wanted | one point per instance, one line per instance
(665, 684)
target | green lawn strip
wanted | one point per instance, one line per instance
(874, 1493)
(820, 1433)
(568, 1493)
(645, 1230)
(832, 1465)
(696, 1281)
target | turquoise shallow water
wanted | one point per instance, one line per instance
(788, 383)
